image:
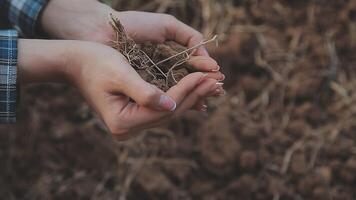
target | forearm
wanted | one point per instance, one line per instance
(42, 61)
(24, 61)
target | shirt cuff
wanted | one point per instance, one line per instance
(24, 15)
(8, 75)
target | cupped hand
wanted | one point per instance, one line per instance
(89, 20)
(157, 27)
(122, 99)
(125, 102)
(109, 83)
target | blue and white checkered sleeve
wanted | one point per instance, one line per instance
(8, 75)
(24, 14)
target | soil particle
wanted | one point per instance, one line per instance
(248, 160)
(250, 134)
(335, 165)
(325, 173)
(321, 193)
(298, 128)
(244, 186)
(162, 186)
(217, 144)
(298, 164)
(276, 186)
(348, 171)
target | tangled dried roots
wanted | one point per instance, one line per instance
(150, 59)
(163, 65)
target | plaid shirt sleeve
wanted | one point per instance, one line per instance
(8, 75)
(23, 15)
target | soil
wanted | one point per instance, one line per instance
(285, 130)
(162, 65)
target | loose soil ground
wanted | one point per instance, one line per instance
(285, 130)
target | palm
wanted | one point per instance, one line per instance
(130, 114)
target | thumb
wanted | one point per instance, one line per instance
(146, 94)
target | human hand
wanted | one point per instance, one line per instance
(88, 20)
(107, 81)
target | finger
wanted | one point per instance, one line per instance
(145, 94)
(216, 75)
(200, 106)
(185, 86)
(200, 92)
(218, 92)
(204, 64)
(185, 35)
(194, 99)
(140, 116)
(133, 117)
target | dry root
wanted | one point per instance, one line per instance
(163, 65)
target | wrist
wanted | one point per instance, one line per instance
(42, 61)
(77, 20)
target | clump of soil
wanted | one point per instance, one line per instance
(163, 65)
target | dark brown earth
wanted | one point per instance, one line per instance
(162, 65)
(285, 130)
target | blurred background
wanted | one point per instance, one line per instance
(285, 130)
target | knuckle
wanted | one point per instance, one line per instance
(150, 97)
(115, 129)
(200, 94)
(170, 23)
(169, 17)
(199, 35)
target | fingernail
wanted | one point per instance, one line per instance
(220, 92)
(220, 83)
(204, 108)
(167, 103)
(216, 70)
(203, 77)
(222, 77)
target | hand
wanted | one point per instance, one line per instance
(107, 81)
(89, 20)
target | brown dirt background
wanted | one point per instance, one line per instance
(285, 130)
